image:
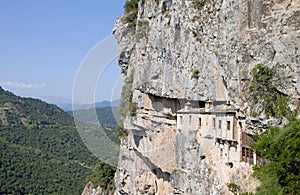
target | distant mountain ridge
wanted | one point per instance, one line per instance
(102, 104)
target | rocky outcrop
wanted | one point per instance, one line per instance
(181, 53)
(91, 190)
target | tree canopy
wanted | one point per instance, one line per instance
(280, 148)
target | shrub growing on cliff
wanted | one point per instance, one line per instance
(142, 29)
(131, 5)
(200, 3)
(264, 92)
(127, 107)
(280, 148)
(195, 74)
(122, 133)
(234, 188)
(131, 11)
(103, 176)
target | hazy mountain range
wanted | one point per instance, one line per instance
(102, 104)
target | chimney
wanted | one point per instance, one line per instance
(188, 106)
(228, 104)
(208, 105)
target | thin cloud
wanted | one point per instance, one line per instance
(16, 85)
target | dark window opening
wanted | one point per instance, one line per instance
(220, 124)
(201, 104)
(199, 123)
(228, 125)
(247, 155)
(214, 123)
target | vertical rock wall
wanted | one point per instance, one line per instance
(179, 52)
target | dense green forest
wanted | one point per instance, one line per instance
(97, 128)
(106, 116)
(41, 151)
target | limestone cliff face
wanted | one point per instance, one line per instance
(191, 67)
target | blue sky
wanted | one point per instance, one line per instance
(43, 42)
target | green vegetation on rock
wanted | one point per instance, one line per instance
(234, 188)
(263, 92)
(103, 176)
(142, 29)
(195, 74)
(131, 11)
(127, 107)
(200, 3)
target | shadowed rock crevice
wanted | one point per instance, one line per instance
(155, 170)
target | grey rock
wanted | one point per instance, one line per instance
(222, 41)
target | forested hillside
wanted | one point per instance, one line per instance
(41, 151)
(106, 116)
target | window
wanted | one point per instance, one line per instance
(190, 120)
(214, 123)
(228, 125)
(180, 120)
(199, 123)
(220, 124)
